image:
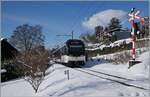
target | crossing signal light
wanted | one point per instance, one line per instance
(136, 29)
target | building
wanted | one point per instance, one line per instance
(8, 52)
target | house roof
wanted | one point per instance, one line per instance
(7, 50)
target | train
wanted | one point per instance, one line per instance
(72, 54)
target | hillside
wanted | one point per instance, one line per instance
(117, 46)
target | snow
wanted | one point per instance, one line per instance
(2, 38)
(111, 56)
(16, 88)
(116, 43)
(101, 46)
(142, 68)
(3, 71)
(81, 84)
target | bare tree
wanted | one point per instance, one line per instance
(34, 58)
(35, 64)
(26, 37)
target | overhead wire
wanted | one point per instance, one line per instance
(88, 10)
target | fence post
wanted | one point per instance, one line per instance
(67, 73)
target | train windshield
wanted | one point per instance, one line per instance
(76, 46)
(76, 50)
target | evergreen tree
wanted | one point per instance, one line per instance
(114, 23)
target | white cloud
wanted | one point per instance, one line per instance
(103, 18)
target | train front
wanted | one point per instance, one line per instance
(75, 52)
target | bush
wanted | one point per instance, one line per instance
(13, 71)
(35, 63)
(121, 58)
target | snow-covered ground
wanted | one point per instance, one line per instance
(111, 56)
(82, 84)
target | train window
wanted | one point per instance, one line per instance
(75, 42)
(78, 46)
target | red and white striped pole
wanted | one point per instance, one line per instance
(133, 15)
(133, 40)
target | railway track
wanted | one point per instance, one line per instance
(111, 75)
(121, 80)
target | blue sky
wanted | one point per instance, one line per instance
(63, 17)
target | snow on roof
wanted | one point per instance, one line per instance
(3, 70)
(2, 39)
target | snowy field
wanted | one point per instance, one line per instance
(82, 84)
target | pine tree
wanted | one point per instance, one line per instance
(114, 23)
